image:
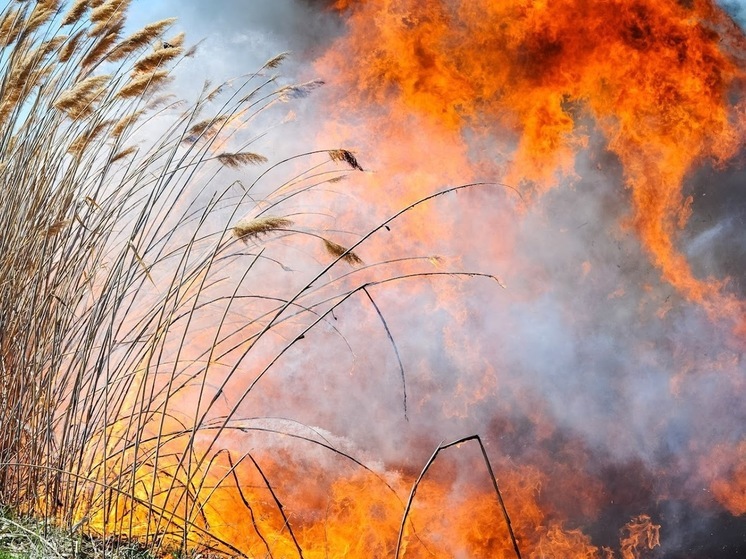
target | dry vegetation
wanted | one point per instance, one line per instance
(112, 249)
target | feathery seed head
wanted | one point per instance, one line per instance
(345, 156)
(237, 160)
(76, 11)
(139, 85)
(338, 251)
(249, 228)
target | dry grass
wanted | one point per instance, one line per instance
(338, 251)
(248, 229)
(144, 83)
(345, 156)
(238, 160)
(124, 291)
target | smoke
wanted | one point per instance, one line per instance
(240, 36)
(589, 363)
(736, 8)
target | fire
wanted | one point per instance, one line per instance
(517, 92)
(655, 78)
(522, 94)
(356, 515)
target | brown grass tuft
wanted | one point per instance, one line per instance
(298, 91)
(338, 251)
(79, 144)
(192, 51)
(77, 101)
(54, 43)
(161, 101)
(10, 27)
(39, 16)
(175, 41)
(55, 228)
(22, 76)
(203, 129)
(140, 39)
(345, 156)
(106, 11)
(123, 153)
(156, 59)
(275, 61)
(102, 47)
(139, 85)
(250, 228)
(125, 122)
(237, 160)
(108, 17)
(70, 46)
(76, 11)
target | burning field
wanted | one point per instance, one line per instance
(505, 319)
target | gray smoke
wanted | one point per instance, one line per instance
(239, 36)
(587, 337)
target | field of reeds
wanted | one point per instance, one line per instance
(140, 299)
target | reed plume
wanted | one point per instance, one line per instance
(75, 11)
(141, 84)
(95, 218)
(125, 291)
(247, 229)
(238, 160)
(156, 59)
(345, 156)
(78, 100)
(338, 251)
(140, 39)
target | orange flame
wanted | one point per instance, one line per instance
(453, 91)
(655, 78)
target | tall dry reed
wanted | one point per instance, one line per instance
(115, 252)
